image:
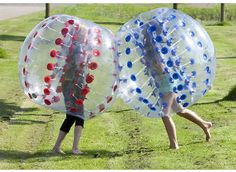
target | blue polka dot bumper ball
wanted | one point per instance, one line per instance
(167, 62)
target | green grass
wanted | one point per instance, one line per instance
(3, 53)
(119, 138)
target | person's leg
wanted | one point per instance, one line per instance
(171, 131)
(65, 128)
(168, 121)
(192, 116)
(77, 134)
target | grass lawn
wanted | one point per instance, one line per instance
(120, 138)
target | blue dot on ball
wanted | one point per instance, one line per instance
(145, 101)
(180, 87)
(128, 38)
(153, 108)
(177, 62)
(129, 64)
(191, 33)
(164, 104)
(192, 61)
(199, 44)
(185, 104)
(183, 24)
(174, 89)
(178, 100)
(138, 90)
(164, 50)
(207, 81)
(194, 73)
(140, 99)
(175, 75)
(170, 63)
(204, 57)
(173, 52)
(161, 95)
(136, 35)
(194, 85)
(152, 28)
(141, 23)
(159, 39)
(128, 51)
(133, 77)
(208, 70)
(183, 96)
(169, 42)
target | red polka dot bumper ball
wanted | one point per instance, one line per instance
(70, 65)
(167, 60)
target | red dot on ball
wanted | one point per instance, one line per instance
(53, 53)
(64, 31)
(25, 58)
(47, 102)
(109, 99)
(46, 91)
(96, 52)
(27, 84)
(24, 71)
(35, 34)
(29, 95)
(114, 88)
(101, 107)
(93, 65)
(79, 102)
(89, 78)
(56, 99)
(59, 89)
(71, 21)
(98, 41)
(47, 79)
(73, 110)
(58, 41)
(50, 66)
(84, 91)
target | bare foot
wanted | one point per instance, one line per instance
(174, 147)
(206, 129)
(77, 152)
(58, 151)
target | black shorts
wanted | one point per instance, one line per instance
(69, 121)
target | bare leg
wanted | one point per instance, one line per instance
(168, 121)
(60, 138)
(171, 131)
(192, 116)
(77, 135)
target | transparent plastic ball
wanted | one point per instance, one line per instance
(167, 62)
(70, 65)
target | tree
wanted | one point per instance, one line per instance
(175, 6)
(222, 12)
(47, 10)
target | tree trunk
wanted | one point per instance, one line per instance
(175, 6)
(222, 12)
(47, 10)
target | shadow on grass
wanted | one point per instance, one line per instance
(230, 97)
(11, 38)
(109, 23)
(119, 111)
(8, 109)
(16, 155)
(231, 57)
